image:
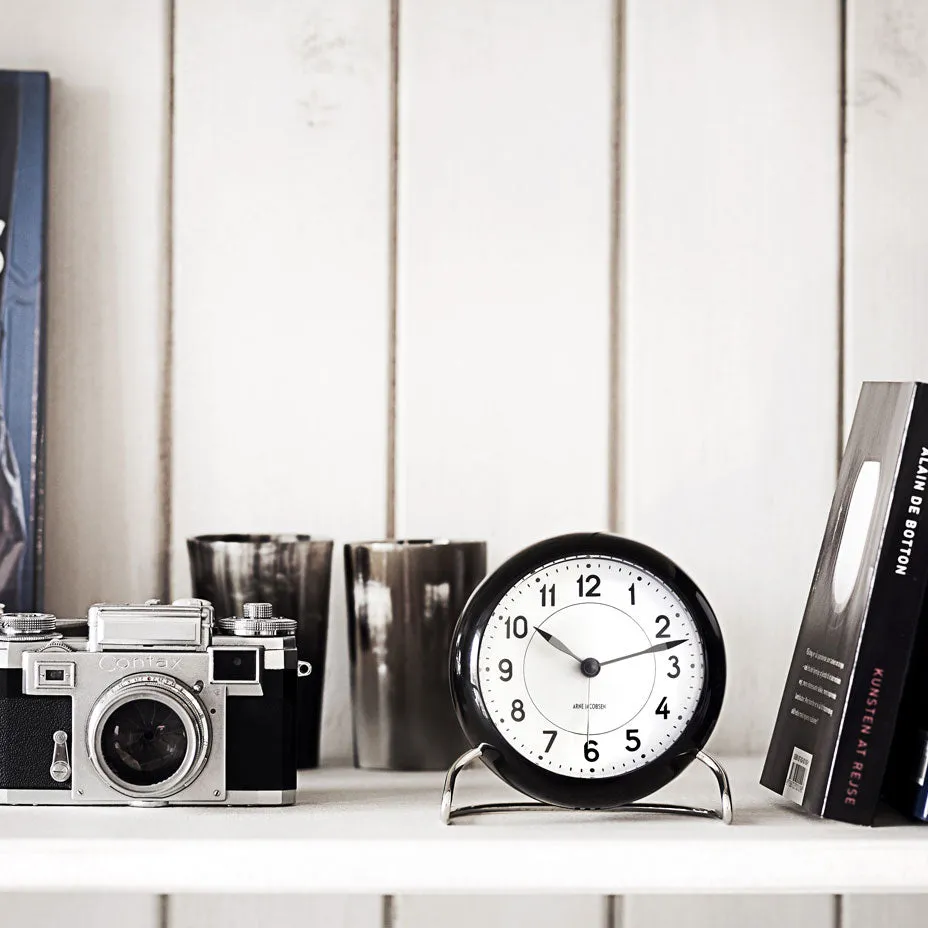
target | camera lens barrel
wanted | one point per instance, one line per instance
(148, 736)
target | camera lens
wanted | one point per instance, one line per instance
(143, 742)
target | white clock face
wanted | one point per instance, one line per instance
(591, 667)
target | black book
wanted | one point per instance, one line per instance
(831, 743)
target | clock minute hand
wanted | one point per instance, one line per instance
(663, 646)
(557, 643)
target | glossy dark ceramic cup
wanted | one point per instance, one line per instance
(404, 598)
(293, 573)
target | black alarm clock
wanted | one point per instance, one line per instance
(588, 671)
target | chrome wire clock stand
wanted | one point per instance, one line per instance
(449, 814)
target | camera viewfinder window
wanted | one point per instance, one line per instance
(235, 665)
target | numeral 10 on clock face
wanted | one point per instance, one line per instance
(591, 667)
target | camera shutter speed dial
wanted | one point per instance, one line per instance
(15, 624)
(258, 621)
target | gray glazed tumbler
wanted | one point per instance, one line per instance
(404, 598)
(294, 574)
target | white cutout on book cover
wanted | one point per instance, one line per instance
(855, 532)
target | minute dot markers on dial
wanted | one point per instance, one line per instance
(547, 668)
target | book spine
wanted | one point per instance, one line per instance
(882, 661)
(43, 81)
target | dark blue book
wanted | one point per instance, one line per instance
(905, 788)
(24, 117)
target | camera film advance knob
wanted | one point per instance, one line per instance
(15, 624)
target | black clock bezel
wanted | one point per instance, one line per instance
(521, 773)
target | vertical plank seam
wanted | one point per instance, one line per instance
(387, 912)
(842, 218)
(393, 271)
(615, 270)
(166, 424)
(162, 912)
(614, 911)
(838, 913)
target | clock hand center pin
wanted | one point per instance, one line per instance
(589, 666)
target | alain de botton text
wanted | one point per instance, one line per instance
(904, 554)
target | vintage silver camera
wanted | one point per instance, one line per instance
(157, 705)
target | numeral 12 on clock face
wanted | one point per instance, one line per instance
(591, 667)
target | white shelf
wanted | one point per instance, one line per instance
(365, 832)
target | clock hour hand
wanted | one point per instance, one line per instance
(663, 646)
(557, 643)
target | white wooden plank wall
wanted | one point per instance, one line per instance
(282, 229)
(107, 309)
(107, 288)
(503, 302)
(885, 242)
(886, 208)
(728, 311)
(206, 911)
(281, 309)
(727, 911)
(500, 912)
(112, 910)
(729, 337)
(729, 306)
(505, 182)
(883, 911)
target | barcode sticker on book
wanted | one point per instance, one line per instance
(797, 778)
